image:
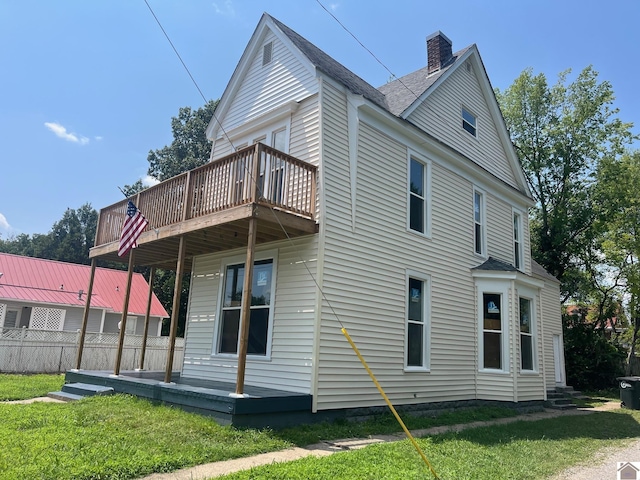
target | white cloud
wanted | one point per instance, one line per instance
(224, 8)
(334, 6)
(61, 132)
(5, 228)
(98, 138)
(149, 181)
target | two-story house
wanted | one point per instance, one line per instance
(398, 212)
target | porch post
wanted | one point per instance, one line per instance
(245, 311)
(146, 320)
(175, 310)
(125, 311)
(85, 316)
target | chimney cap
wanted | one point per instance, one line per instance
(438, 33)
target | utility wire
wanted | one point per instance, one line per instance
(188, 72)
(369, 51)
(246, 166)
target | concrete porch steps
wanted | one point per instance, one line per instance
(562, 398)
(76, 391)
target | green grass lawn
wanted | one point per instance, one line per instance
(124, 437)
(21, 387)
(519, 451)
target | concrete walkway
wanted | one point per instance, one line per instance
(212, 470)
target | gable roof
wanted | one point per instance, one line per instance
(331, 67)
(495, 265)
(399, 98)
(50, 282)
(404, 91)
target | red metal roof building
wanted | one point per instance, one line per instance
(35, 292)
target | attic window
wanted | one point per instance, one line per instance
(267, 50)
(469, 122)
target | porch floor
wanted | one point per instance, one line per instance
(260, 407)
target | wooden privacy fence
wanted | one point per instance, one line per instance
(24, 350)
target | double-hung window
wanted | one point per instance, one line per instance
(478, 223)
(417, 333)
(418, 192)
(469, 122)
(527, 360)
(260, 310)
(517, 241)
(492, 331)
(417, 200)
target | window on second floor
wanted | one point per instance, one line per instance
(478, 223)
(417, 196)
(517, 241)
(469, 122)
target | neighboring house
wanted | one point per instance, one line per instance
(48, 295)
(405, 204)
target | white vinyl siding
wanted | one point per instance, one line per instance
(551, 320)
(265, 87)
(365, 273)
(289, 367)
(440, 115)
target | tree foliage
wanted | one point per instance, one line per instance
(561, 133)
(189, 148)
(69, 240)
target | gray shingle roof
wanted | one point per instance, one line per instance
(331, 67)
(539, 270)
(496, 265)
(403, 92)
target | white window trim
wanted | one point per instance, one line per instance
(236, 259)
(501, 288)
(426, 315)
(463, 109)
(412, 155)
(519, 260)
(531, 295)
(483, 221)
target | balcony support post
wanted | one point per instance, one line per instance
(245, 309)
(147, 317)
(125, 311)
(175, 309)
(85, 316)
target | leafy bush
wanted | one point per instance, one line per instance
(592, 361)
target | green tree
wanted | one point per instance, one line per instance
(618, 201)
(69, 240)
(561, 133)
(189, 148)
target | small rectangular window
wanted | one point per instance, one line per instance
(478, 222)
(469, 122)
(417, 198)
(267, 52)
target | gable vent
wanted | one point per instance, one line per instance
(267, 50)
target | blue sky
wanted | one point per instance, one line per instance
(87, 88)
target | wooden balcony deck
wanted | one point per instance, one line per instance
(211, 206)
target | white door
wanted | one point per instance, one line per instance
(557, 360)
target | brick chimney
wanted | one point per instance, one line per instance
(438, 51)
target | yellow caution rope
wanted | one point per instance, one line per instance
(386, 399)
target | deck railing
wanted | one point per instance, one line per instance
(257, 174)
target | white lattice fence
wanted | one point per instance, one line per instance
(40, 351)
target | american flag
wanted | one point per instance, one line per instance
(134, 224)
